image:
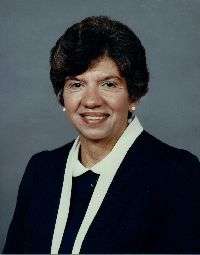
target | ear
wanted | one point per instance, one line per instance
(60, 97)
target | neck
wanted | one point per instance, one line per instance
(93, 151)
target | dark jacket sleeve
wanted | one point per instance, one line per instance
(191, 205)
(182, 234)
(15, 237)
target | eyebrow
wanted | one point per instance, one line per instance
(106, 77)
(73, 78)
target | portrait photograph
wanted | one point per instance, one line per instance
(100, 127)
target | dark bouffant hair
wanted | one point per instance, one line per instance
(95, 37)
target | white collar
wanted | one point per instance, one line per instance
(114, 158)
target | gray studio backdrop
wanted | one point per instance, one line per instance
(31, 119)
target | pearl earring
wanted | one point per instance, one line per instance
(64, 109)
(133, 108)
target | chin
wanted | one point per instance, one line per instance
(94, 135)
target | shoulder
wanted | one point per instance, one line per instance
(172, 174)
(49, 163)
(165, 163)
(47, 156)
(155, 149)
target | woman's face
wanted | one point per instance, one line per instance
(97, 101)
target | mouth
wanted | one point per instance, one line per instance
(94, 118)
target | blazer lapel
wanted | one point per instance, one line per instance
(44, 207)
(115, 203)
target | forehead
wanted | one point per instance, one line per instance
(103, 67)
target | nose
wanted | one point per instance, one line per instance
(91, 97)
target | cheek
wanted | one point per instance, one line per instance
(71, 103)
(119, 104)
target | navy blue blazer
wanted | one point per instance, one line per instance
(152, 205)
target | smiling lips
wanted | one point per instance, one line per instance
(94, 117)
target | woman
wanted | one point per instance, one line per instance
(116, 188)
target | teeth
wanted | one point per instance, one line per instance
(93, 118)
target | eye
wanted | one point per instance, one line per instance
(109, 84)
(75, 85)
